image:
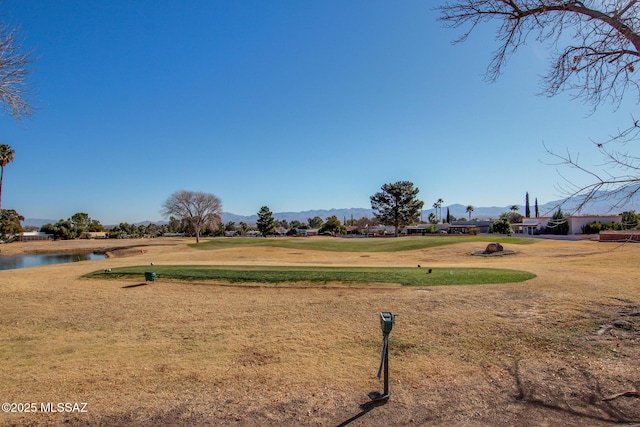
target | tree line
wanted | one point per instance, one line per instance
(199, 214)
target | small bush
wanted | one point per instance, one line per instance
(592, 228)
(557, 225)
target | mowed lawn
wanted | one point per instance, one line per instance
(322, 275)
(357, 244)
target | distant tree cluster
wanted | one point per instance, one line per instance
(333, 226)
(72, 228)
(198, 214)
(10, 227)
(558, 224)
(630, 220)
(267, 225)
(131, 231)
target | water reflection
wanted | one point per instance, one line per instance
(35, 260)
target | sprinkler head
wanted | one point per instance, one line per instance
(387, 320)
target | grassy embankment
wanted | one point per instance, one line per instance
(359, 244)
(322, 275)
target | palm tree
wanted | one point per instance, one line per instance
(244, 227)
(514, 208)
(469, 210)
(6, 157)
(438, 205)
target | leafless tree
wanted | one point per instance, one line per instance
(14, 71)
(201, 210)
(595, 47)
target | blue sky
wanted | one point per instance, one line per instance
(296, 105)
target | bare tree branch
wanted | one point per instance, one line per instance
(619, 188)
(599, 63)
(14, 71)
(595, 48)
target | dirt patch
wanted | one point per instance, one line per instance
(123, 252)
(255, 357)
(497, 253)
(624, 324)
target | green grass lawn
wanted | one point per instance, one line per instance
(357, 244)
(408, 276)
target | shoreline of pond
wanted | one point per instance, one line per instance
(15, 262)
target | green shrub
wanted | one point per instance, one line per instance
(592, 228)
(558, 224)
(501, 226)
(630, 219)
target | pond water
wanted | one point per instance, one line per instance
(34, 260)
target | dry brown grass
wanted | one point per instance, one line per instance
(171, 353)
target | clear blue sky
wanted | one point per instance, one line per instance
(292, 104)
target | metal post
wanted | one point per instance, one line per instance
(387, 320)
(386, 369)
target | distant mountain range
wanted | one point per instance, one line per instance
(601, 205)
(457, 210)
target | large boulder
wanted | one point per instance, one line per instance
(493, 248)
